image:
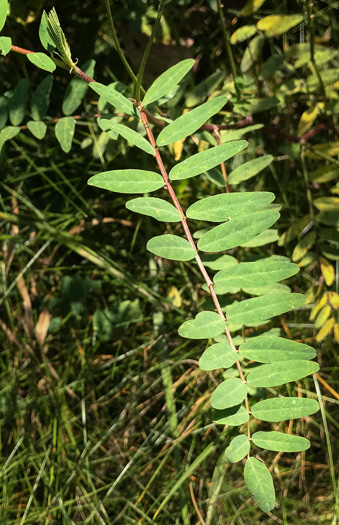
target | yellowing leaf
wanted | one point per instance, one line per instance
(177, 149)
(331, 149)
(274, 25)
(303, 246)
(327, 203)
(251, 7)
(173, 293)
(317, 307)
(243, 33)
(307, 119)
(327, 270)
(334, 299)
(336, 332)
(324, 314)
(325, 330)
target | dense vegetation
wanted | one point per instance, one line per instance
(105, 414)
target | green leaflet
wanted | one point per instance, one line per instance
(236, 231)
(243, 33)
(267, 289)
(158, 208)
(283, 408)
(115, 98)
(64, 131)
(3, 111)
(256, 273)
(279, 373)
(218, 262)
(263, 308)
(127, 181)
(205, 325)
(260, 484)
(42, 61)
(18, 102)
(237, 449)
(190, 122)
(77, 89)
(251, 53)
(280, 442)
(129, 134)
(38, 129)
(249, 169)
(40, 98)
(219, 355)
(44, 35)
(3, 12)
(227, 206)
(5, 44)
(206, 160)
(171, 247)
(8, 133)
(263, 238)
(201, 91)
(228, 394)
(266, 349)
(167, 81)
(233, 416)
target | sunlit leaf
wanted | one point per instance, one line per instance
(127, 181)
(171, 247)
(228, 394)
(284, 408)
(42, 61)
(219, 355)
(233, 416)
(249, 169)
(256, 273)
(274, 25)
(204, 326)
(325, 330)
(64, 131)
(263, 238)
(5, 44)
(158, 208)
(280, 442)
(327, 204)
(167, 81)
(38, 129)
(243, 33)
(3, 12)
(266, 349)
(303, 246)
(44, 35)
(279, 373)
(267, 289)
(237, 449)
(129, 134)
(262, 308)
(218, 262)
(8, 133)
(260, 484)
(114, 98)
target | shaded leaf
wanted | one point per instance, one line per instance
(260, 484)
(249, 169)
(251, 7)
(251, 53)
(64, 131)
(263, 308)
(263, 238)
(18, 102)
(266, 349)
(40, 98)
(280, 373)
(127, 181)
(219, 355)
(280, 442)
(204, 89)
(158, 208)
(42, 61)
(204, 326)
(167, 81)
(283, 408)
(233, 416)
(190, 122)
(218, 262)
(77, 89)
(3, 111)
(171, 247)
(228, 394)
(237, 449)
(327, 204)
(256, 273)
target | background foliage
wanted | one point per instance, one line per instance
(85, 432)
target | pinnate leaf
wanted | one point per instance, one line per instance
(158, 208)
(42, 61)
(64, 132)
(256, 273)
(249, 169)
(228, 394)
(190, 122)
(283, 408)
(267, 349)
(219, 355)
(164, 84)
(206, 160)
(280, 442)
(279, 373)
(259, 482)
(236, 231)
(171, 247)
(127, 181)
(226, 206)
(237, 449)
(262, 308)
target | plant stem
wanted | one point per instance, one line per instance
(147, 50)
(190, 239)
(228, 46)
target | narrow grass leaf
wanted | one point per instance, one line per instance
(233, 416)
(226, 206)
(228, 394)
(280, 442)
(262, 308)
(237, 449)
(260, 484)
(157, 208)
(114, 98)
(129, 134)
(42, 61)
(256, 273)
(283, 408)
(267, 349)
(219, 355)
(3, 12)
(38, 129)
(236, 231)
(40, 98)
(18, 102)
(5, 45)
(64, 132)
(164, 84)
(127, 181)
(77, 89)
(190, 122)
(206, 160)
(171, 247)
(205, 325)
(279, 373)
(249, 169)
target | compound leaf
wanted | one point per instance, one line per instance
(282, 408)
(280, 442)
(237, 449)
(262, 308)
(171, 247)
(279, 373)
(259, 482)
(164, 84)
(158, 208)
(266, 349)
(205, 325)
(127, 181)
(228, 394)
(219, 355)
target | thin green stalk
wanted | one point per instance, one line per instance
(147, 50)
(227, 46)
